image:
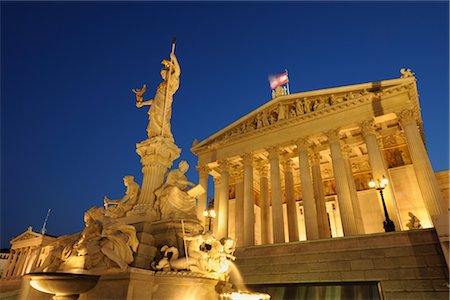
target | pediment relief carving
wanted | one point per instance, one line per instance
(26, 236)
(283, 112)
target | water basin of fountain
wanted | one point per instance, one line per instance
(62, 285)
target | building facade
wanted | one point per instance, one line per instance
(291, 184)
(298, 167)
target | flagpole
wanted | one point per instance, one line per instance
(287, 84)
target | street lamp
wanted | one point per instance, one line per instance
(379, 186)
(210, 213)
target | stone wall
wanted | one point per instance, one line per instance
(408, 264)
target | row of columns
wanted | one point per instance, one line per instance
(18, 261)
(316, 222)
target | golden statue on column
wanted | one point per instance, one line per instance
(160, 110)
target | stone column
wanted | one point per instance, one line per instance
(429, 187)
(222, 216)
(290, 201)
(309, 205)
(265, 204)
(277, 204)
(249, 212)
(216, 203)
(379, 169)
(238, 177)
(157, 155)
(319, 195)
(352, 187)
(203, 173)
(342, 184)
(8, 264)
(18, 263)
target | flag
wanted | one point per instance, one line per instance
(278, 80)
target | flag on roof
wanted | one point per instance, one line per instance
(278, 80)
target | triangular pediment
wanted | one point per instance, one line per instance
(27, 235)
(287, 110)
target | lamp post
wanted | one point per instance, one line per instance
(210, 213)
(379, 186)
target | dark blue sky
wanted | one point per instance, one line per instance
(69, 124)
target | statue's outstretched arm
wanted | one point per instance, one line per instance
(176, 65)
(142, 103)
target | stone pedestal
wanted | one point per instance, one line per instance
(157, 155)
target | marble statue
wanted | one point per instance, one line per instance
(299, 108)
(160, 110)
(97, 246)
(205, 255)
(173, 200)
(120, 207)
(281, 112)
(406, 73)
(414, 222)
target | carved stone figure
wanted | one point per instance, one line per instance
(139, 93)
(173, 200)
(264, 119)
(299, 108)
(307, 105)
(406, 73)
(259, 121)
(118, 243)
(292, 113)
(126, 203)
(160, 110)
(414, 222)
(281, 112)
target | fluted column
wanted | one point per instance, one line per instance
(222, 217)
(309, 205)
(239, 208)
(249, 213)
(6, 271)
(319, 195)
(342, 185)
(352, 188)
(264, 203)
(203, 173)
(277, 204)
(379, 169)
(290, 201)
(217, 184)
(429, 187)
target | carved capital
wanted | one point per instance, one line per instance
(287, 164)
(217, 181)
(274, 152)
(347, 150)
(368, 127)
(333, 135)
(237, 173)
(263, 170)
(248, 159)
(224, 165)
(408, 116)
(203, 170)
(302, 143)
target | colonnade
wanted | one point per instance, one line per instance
(19, 262)
(316, 222)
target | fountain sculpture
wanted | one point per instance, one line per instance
(148, 244)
